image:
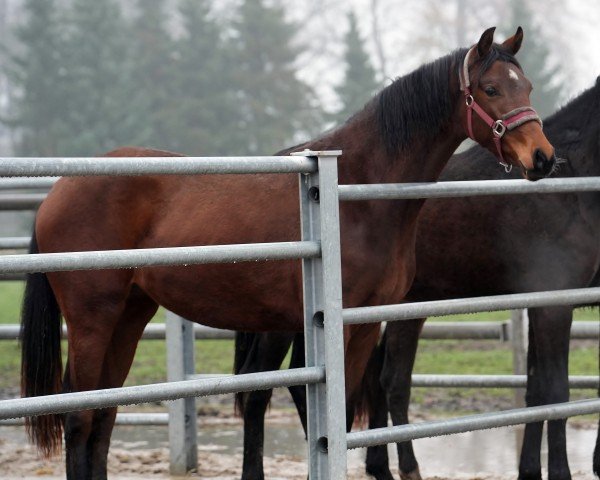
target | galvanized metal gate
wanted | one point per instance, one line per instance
(323, 314)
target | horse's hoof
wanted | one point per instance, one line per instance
(380, 473)
(414, 475)
(530, 475)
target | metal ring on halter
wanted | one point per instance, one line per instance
(469, 100)
(499, 128)
(507, 166)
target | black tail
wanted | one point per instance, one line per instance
(41, 363)
(244, 342)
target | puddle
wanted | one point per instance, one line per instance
(474, 453)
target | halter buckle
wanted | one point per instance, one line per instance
(507, 166)
(499, 128)
(469, 100)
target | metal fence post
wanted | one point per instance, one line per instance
(183, 444)
(326, 403)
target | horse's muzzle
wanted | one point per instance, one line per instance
(542, 166)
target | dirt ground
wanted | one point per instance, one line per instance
(19, 460)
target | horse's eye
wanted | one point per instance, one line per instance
(490, 91)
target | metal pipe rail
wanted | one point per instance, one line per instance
(70, 402)
(21, 201)
(407, 311)
(145, 257)
(467, 330)
(14, 243)
(35, 167)
(137, 419)
(397, 191)
(27, 183)
(483, 421)
(493, 381)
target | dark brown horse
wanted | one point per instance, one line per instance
(265, 352)
(407, 133)
(515, 244)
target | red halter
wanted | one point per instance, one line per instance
(507, 122)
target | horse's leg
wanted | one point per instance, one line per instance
(119, 356)
(400, 352)
(90, 333)
(268, 352)
(547, 374)
(298, 392)
(377, 461)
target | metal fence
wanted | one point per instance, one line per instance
(320, 252)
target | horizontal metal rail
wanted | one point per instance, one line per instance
(21, 201)
(483, 421)
(96, 260)
(14, 243)
(432, 330)
(492, 381)
(69, 402)
(35, 167)
(27, 183)
(406, 311)
(396, 191)
(126, 419)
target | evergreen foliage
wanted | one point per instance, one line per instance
(273, 104)
(91, 79)
(359, 80)
(39, 89)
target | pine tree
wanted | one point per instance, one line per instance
(275, 106)
(534, 58)
(359, 80)
(37, 81)
(204, 109)
(152, 74)
(99, 113)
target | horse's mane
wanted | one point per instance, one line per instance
(567, 124)
(422, 102)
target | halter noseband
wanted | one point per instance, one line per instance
(507, 122)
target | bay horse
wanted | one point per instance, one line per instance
(260, 352)
(514, 244)
(405, 134)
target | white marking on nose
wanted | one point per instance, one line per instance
(512, 74)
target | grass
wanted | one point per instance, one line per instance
(216, 356)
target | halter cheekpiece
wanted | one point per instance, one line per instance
(507, 122)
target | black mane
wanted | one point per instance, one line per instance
(567, 125)
(422, 102)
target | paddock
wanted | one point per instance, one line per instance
(320, 194)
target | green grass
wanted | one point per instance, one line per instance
(216, 356)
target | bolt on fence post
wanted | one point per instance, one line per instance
(326, 403)
(183, 442)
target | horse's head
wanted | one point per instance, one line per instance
(497, 112)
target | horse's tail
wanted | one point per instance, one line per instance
(41, 364)
(244, 342)
(371, 393)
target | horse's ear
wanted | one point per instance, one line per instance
(485, 42)
(513, 44)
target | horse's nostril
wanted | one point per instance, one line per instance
(540, 160)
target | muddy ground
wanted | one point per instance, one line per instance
(19, 460)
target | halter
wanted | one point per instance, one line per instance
(507, 122)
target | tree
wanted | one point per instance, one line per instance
(359, 81)
(99, 112)
(38, 92)
(534, 58)
(152, 74)
(203, 110)
(275, 107)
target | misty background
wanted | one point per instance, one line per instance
(245, 77)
